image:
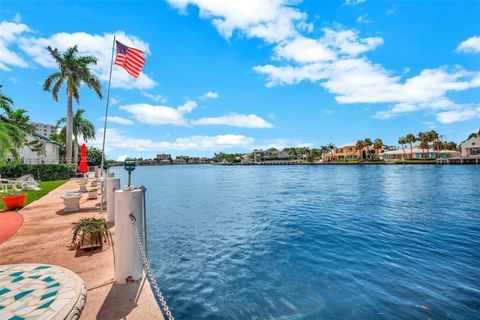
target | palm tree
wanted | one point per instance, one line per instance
(402, 141)
(74, 71)
(81, 128)
(423, 139)
(378, 144)
(411, 139)
(435, 139)
(367, 143)
(14, 128)
(331, 147)
(360, 145)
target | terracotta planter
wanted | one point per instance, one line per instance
(13, 202)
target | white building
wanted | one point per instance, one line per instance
(44, 129)
(49, 152)
(471, 147)
(416, 153)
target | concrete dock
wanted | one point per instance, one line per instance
(45, 237)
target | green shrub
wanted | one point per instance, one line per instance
(43, 172)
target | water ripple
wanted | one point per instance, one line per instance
(315, 242)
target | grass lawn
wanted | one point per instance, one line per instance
(46, 187)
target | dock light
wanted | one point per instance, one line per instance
(129, 165)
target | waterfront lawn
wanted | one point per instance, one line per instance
(46, 187)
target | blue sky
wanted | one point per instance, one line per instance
(236, 75)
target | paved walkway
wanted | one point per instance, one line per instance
(45, 238)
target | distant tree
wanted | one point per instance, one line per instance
(360, 144)
(472, 135)
(435, 138)
(423, 138)
(411, 139)
(402, 141)
(450, 145)
(378, 144)
(331, 148)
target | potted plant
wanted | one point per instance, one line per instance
(92, 192)
(89, 233)
(15, 199)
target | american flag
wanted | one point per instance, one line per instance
(130, 59)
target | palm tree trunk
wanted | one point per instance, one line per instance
(69, 132)
(411, 150)
(75, 150)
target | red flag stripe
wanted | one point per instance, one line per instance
(135, 63)
(135, 57)
(131, 69)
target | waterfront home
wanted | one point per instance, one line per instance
(179, 160)
(350, 151)
(416, 153)
(471, 147)
(270, 155)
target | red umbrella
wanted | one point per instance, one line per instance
(83, 167)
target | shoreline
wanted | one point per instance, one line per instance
(285, 163)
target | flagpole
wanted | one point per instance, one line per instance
(106, 108)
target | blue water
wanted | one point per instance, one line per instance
(315, 242)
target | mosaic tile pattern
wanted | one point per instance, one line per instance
(39, 292)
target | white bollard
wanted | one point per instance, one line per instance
(111, 185)
(128, 259)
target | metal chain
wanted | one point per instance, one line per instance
(150, 275)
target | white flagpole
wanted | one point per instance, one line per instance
(106, 108)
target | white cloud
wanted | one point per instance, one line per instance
(122, 157)
(271, 20)
(353, 2)
(464, 113)
(154, 97)
(471, 45)
(150, 114)
(235, 120)
(364, 19)
(347, 41)
(284, 143)
(114, 100)
(17, 18)
(303, 50)
(10, 33)
(117, 119)
(358, 80)
(210, 95)
(100, 46)
(391, 11)
(115, 139)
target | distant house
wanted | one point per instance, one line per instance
(417, 153)
(270, 155)
(48, 153)
(471, 147)
(349, 151)
(180, 160)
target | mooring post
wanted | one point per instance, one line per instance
(111, 185)
(128, 259)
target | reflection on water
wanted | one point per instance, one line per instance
(315, 242)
